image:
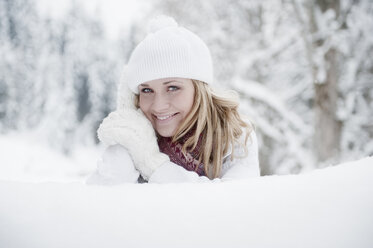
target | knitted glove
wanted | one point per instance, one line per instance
(130, 128)
(114, 167)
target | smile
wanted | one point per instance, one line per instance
(165, 117)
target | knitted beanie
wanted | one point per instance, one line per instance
(168, 50)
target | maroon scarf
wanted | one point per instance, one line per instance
(174, 151)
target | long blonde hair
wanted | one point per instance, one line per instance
(216, 117)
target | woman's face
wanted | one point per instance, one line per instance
(166, 102)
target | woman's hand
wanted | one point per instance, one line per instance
(131, 129)
(114, 167)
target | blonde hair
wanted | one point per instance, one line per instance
(216, 117)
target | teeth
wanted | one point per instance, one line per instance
(163, 117)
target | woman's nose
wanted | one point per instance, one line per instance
(160, 103)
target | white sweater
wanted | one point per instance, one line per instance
(116, 166)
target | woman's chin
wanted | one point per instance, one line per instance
(165, 133)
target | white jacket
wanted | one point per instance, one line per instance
(116, 166)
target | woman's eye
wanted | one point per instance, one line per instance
(173, 88)
(146, 90)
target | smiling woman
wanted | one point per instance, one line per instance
(166, 102)
(170, 125)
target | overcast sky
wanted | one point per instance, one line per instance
(114, 13)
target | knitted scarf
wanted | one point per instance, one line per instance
(174, 151)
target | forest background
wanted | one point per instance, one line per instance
(303, 70)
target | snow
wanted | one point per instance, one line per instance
(25, 157)
(329, 207)
(43, 200)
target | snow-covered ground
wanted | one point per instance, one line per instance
(26, 157)
(328, 208)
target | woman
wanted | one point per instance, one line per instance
(170, 126)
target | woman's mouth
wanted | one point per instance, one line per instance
(164, 118)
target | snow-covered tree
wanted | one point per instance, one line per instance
(56, 76)
(337, 37)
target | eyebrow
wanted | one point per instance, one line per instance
(165, 83)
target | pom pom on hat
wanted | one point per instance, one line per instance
(168, 50)
(161, 22)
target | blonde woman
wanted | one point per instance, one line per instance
(170, 125)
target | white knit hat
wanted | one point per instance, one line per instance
(168, 50)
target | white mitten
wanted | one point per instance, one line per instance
(130, 128)
(115, 167)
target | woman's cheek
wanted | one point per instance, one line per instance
(145, 108)
(143, 105)
(143, 101)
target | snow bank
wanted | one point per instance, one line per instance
(326, 208)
